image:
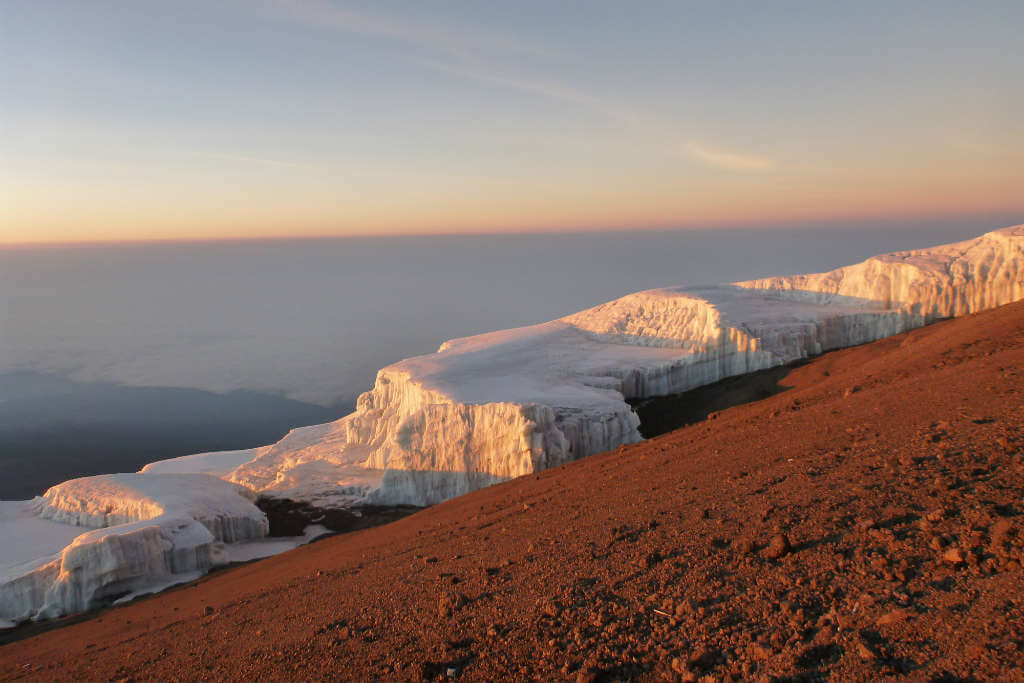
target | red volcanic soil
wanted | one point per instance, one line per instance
(865, 523)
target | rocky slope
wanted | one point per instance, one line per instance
(862, 524)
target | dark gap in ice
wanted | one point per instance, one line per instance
(289, 517)
(661, 414)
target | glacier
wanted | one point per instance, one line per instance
(481, 410)
(495, 406)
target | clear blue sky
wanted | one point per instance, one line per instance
(139, 119)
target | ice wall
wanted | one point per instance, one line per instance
(147, 529)
(500, 405)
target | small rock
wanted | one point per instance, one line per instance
(705, 659)
(451, 602)
(893, 617)
(1000, 530)
(649, 560)
(208, 610)
(743, 546)
(864, 651)
(866, 523)
(824, 637)
(552, 609)
(778, 547)
(954, 556)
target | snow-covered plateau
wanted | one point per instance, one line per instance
(483, 409)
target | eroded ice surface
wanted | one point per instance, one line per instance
(147, 530)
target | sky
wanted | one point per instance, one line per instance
(206, 119)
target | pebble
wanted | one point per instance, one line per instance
(778, 547)
(953, 556)
(893, 617)
(864, 652)
(743, 546)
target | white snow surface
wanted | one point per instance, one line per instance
(148, 530)
(483, 409)
(499, 405)
(265, 547)
(218, 464)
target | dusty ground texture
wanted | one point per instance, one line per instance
(864, 524)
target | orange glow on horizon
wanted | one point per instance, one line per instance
(713, 210)
(287, 207)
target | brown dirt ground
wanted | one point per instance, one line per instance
(864, 524)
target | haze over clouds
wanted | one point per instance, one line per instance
(314, 320)
(126, 120)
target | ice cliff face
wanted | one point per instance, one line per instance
(147, 529)
(504, 404)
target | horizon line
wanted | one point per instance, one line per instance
(882, 221)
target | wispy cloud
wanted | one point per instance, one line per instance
(728, 160)
(549, 89)
(979, 147)
(462, 41)
(628, 117)
(263, 161)
(474, 53)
